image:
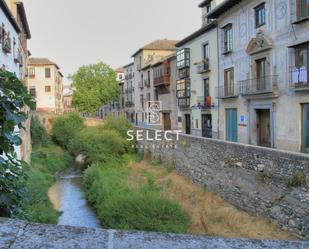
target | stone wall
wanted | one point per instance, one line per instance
(15, 234)
(251, 178)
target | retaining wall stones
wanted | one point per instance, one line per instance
(251, 178)
(15, 234)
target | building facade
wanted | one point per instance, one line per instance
(129, 92)
(45, 85)
(164, 82)
(197, 78)
(14, 33)
(143, 72)
(263, 49)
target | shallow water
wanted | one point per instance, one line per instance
(68, 197)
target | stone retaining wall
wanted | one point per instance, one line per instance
(251, 178)
(15, 234)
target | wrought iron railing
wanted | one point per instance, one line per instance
(204, 102)
(258, 85)
(202, 66)
(299, 77)
(227, 91)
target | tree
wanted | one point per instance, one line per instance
(95, 85)
(13, 97)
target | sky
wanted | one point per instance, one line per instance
(73, 33)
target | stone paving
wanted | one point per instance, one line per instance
(15, 234)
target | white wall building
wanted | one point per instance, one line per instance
(263, 72)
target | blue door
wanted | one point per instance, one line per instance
(305, 133)
(231, 125)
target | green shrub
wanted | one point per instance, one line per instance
(149, 212)
(297, 180)
(66, 129)
(119, 124)
(50, 159)
(99, 145)
(121, 206)
(39, 136)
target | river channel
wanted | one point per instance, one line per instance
(68, 197)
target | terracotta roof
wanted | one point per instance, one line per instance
(9, 15)
(119, 70)
(41, 61)
(158, 45)
(169, 57)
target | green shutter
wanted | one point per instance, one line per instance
(231, 125)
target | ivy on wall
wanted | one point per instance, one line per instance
(13, 98)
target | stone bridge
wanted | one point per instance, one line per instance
(15, 234)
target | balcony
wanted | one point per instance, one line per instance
(184, 103)
(202, 66)
(140, 84)
(163, 80)
(204, 102)
(261, 85)
(147, 83)
(129, 104)
(129, 90)
(299, 79)
(227, 91)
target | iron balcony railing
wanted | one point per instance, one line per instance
(204, 102)
(202, 66)
(299, 77)
(129, 90)
(259, 85)
(129, 104)
(227, 91)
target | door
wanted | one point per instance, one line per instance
(263, 127)
(188, 123)
(231, 125)
(305, 128)
(166, 121)
(207, 125)
(261, 73)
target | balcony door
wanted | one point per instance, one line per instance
(305, 128)
(261, 74)
(300, 74)
(229, 82)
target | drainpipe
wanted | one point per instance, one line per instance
(218, 84)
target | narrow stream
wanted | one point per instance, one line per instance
(68, 197)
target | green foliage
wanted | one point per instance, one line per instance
(39, 136)
(66, 129)
(123, 207)
(46, 161)
(119, 124)
(13, 98)
(297, 180)
(98, 145)
(95, 86)
(147, 212)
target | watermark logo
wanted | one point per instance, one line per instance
(153, 110)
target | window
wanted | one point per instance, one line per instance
(141, 99)
(205, 51)
(32, 92)
(183, 58)
(229, 82)
(47, 89)
(183, 88)
(228, 38)
(259, 15)
(47, 72)
(302, 9)
(299, 73)
(32, 72)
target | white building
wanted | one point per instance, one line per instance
(129, 92)
(263, 72)
(9, 39)
(197, 78)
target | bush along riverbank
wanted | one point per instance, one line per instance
(118, 203)
(47, 159)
